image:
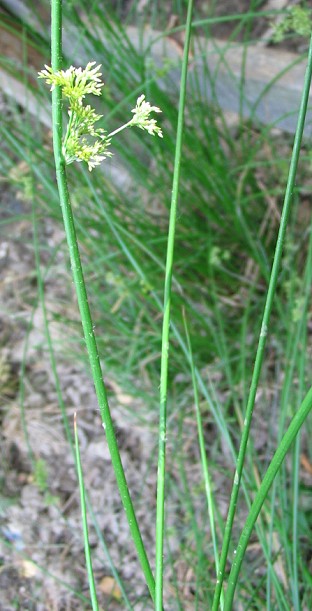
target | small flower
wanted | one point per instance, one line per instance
(83, 119)
(141, 118)
(79, 148)
(76, 83)
(93, 154)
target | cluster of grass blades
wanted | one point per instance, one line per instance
(224, 245)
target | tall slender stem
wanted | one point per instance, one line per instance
(87, 324)
(262, 493)
(83, 505)
(160, 510)
(202, 449)
(264, 328)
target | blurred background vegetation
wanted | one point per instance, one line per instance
(233, 176)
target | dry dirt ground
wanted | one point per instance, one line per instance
(39, 504)
(41, 549)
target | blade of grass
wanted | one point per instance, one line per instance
(209, 21)
(264, 327)
(261, 495)
(56, 61)
(57, 383)
(61, 403)
(160, 509)
(203, 456)
(87, 230)
(295, 484)
(42, 302)
(83, 599)
(91, 581)
(298, 357)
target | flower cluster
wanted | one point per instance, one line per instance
(141, 117)
(83, 141)
(76, 83)
(298, 20)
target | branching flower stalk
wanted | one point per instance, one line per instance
(85, 142)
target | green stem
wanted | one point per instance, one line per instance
(203, 455)
(120, 129)
(199, 23)
(56, 61)
(264, 328)
(68, 130)
(261, 495)
(95, 606)
(160, 509)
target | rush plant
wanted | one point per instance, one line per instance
(83, 141)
